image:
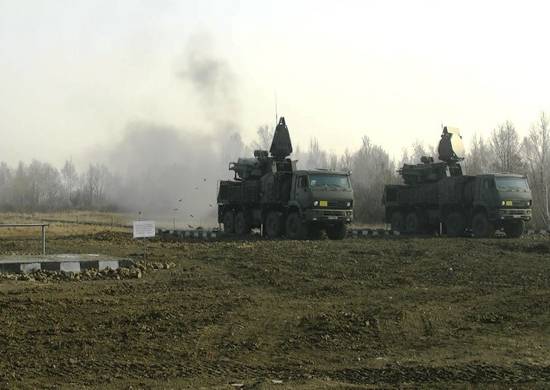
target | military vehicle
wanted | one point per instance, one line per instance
(269, 193)
(437, 196)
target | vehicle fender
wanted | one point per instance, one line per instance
(294, 205)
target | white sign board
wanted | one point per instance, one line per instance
(144, 229)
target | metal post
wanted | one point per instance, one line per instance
(44, 240)
(145, 249)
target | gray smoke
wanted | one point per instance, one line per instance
(161, 167)
(213, 80)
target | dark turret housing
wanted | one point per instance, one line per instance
(451, 152)
(262, 163)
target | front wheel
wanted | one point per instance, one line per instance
(295, 228)
(314, 232)
(337, 232)
(482, 227)
(229, 222)
(456, 224)
(273, 224)
(397, 222)
(514, 229)
(241, 224)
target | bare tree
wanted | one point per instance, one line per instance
(69, 178)
(264, 136)
(505, 147)
(6, 177)
(316, 157)
(333, 163)
(346, 161)
(536, 148)
(478, 158)
(372, 169)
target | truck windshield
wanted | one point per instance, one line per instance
(329, 181)
(509, 184)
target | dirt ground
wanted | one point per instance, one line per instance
(356, 314)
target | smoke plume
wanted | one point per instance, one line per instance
(167, 171)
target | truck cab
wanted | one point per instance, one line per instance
(501, 201)
(323, 199)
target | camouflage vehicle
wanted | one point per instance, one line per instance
(436, 195)
(269, 193)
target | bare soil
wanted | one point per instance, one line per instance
(354, 314)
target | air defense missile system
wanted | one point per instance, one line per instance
(268, 192)
(437, 196)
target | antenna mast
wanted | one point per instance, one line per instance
(276, 114)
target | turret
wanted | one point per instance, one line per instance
(262, 163)
(451, 152)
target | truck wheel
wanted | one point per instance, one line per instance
(397, 222)
(314, 232)
(482, 227)
(456, 224)
(337, 232)
(295, 228)
(412, 223)
(514, 229)
(229, 222)
(241, 224)
(273, 224)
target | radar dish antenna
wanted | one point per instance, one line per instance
(281, 146)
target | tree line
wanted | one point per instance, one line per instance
(39, 186)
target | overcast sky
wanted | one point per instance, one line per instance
(73, 74)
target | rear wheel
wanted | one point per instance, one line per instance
(482, 227)
(241, 224)
(337, 232)
(295, 228)
(397, 222)
(229, 222)
(273, 224)
(514, 229)
(456, 224)
(412, 223)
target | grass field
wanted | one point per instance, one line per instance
(360, 313)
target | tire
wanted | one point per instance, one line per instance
(229, 222)
(397, 222)
(314, 232)
(412, 223)
(295, 228)
(242, 227)
(514, 229)
(337, 232)
(273, 224)
(456, 224)
(482, 227)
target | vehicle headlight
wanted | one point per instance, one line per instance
(503, 203)
(348, 204)
(315, 203)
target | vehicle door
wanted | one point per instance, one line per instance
(303, 195)
(486, 191)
